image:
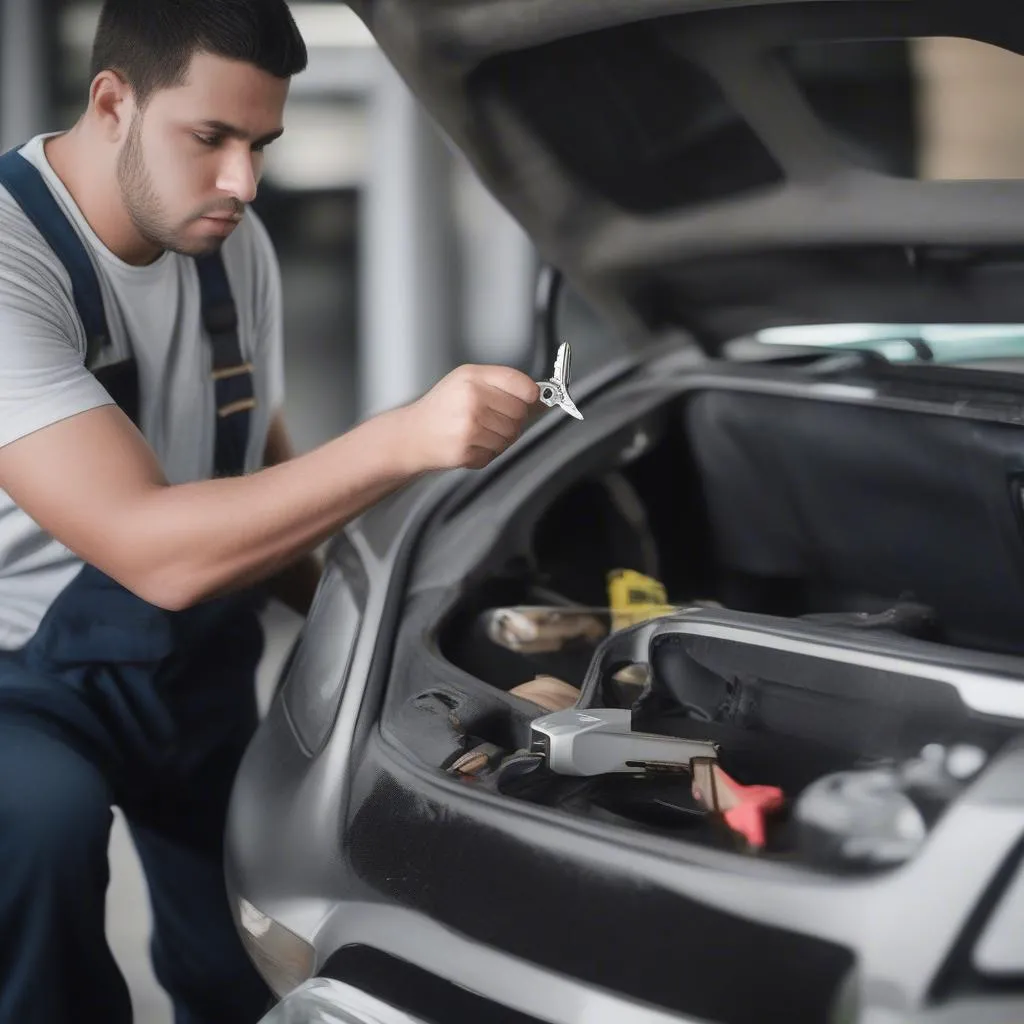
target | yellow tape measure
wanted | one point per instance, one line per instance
(634, 598)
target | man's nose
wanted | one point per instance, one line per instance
(238, 176)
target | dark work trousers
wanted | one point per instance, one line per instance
(115, 701)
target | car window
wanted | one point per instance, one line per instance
(956, 344)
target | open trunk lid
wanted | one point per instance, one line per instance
(724, 167)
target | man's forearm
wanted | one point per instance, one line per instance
(219, 535)
(92, 482)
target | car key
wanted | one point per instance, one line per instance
(601, 740)
(556, 390)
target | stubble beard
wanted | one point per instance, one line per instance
(143, 204)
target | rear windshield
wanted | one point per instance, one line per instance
(957, 344)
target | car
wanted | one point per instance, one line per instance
(708, 706)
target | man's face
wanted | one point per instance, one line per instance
(193, 157)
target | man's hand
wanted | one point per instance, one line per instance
(468, 418)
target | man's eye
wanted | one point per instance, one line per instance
(206, 140)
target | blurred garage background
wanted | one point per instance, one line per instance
(398, 265)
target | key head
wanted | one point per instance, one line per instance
(549, 394)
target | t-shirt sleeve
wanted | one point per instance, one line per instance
(43, 378)
(269, 316)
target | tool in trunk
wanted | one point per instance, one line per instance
(601, 740)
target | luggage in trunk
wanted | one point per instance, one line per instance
(829, 505)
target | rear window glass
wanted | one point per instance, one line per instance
(960, 344)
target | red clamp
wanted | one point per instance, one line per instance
(744, 808)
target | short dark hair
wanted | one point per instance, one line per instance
(151, 43)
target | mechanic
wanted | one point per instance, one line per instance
(151, 498)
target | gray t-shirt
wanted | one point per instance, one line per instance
(43, 378)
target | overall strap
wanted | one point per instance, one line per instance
(26, 185)
(233, 385)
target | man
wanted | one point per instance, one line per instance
(140, 399)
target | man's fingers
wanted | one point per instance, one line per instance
(511, 381)
(506, 406)
(479, 457)
(500, 423)
(492, 440)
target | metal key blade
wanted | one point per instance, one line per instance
(555, 392)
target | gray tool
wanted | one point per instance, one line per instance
(601, 740)
(556, 390)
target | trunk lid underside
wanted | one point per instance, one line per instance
(718, 168)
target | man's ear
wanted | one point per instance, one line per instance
(113, 104)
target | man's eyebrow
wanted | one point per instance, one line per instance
(230, 130)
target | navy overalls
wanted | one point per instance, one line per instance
(116, 701)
